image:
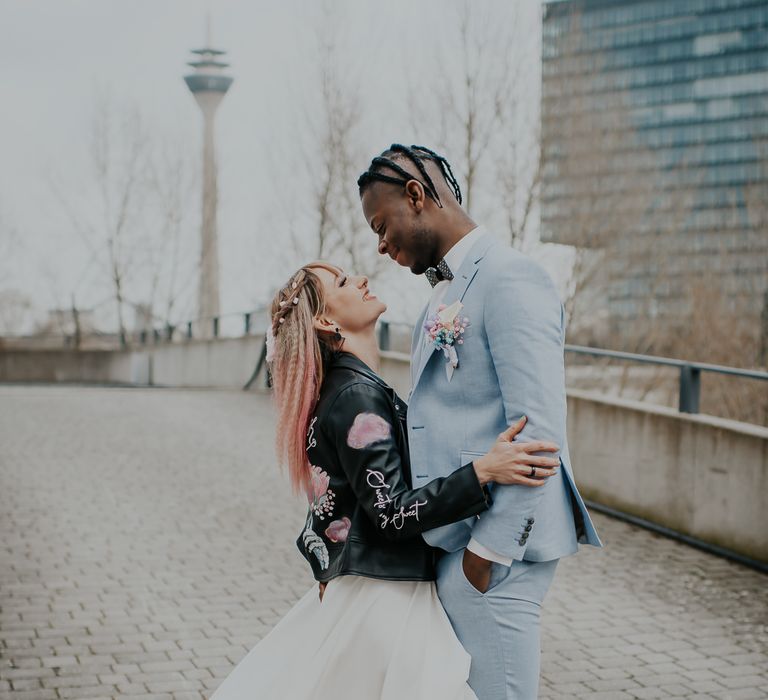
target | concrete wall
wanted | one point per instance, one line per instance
(227, 362)
(703, 476)
(99, 366)
(396, 369)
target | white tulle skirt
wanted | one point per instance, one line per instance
(367, 640)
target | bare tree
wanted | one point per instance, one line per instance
(686, 302)
(120, 160)
(130, 215)
(330, 225)
(756, 206)
(170, 261)
(604, 196)
(14, 305)
(14, 309)
(478, 113)
(8, 239)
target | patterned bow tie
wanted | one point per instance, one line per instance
(439, 273)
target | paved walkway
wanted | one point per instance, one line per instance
(146, 543)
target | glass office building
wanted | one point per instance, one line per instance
(655, 136)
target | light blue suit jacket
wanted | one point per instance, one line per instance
(511, 364)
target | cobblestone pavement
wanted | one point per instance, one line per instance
(146, 543)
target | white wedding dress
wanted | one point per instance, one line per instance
(368, 640)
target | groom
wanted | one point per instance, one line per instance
(508, 363)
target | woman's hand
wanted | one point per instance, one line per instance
(510, 462)
(322, 590)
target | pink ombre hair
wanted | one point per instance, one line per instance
(297, 367)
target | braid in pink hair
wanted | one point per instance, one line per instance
(297, 367)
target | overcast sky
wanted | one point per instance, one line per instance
(55, 55)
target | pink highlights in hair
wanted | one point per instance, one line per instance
(297, 370)
(338, 530)
(366, 429)
(297, 443)
(295, 383)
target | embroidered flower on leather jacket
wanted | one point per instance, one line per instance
(366, 429)
(338, 530)
(321, 498)
(313, 543)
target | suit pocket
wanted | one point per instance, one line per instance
(497, 574)
(467, 456)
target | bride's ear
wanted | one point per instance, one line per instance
(324, 325)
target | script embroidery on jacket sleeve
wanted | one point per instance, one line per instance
(376, 481)
(311, 441)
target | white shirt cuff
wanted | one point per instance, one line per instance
(476, 548)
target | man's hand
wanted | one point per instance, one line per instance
(477, 570)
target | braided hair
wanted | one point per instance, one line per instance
(417, 155)
(301, 355)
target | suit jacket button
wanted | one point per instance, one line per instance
(528, 528)
(521, 541)
(525, 535)
(531, 521)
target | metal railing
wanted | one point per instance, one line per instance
(385, 334)
(690, 372)
(204, 328)
(229, 325)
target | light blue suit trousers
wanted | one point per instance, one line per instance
(500, 628)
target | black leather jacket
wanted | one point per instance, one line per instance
(364, 517)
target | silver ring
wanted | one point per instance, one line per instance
(533, 471)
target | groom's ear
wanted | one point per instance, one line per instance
(415, 193)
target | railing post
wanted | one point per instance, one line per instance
(156, 335)
(248, 323)
(384, 335)
(143, 337)
(169, 331)
(690, 389)
(215, 326)
(189, 330)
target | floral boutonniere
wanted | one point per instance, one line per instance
(444, 330)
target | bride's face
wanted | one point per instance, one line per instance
(349, 303)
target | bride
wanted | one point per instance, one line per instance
(374, 629)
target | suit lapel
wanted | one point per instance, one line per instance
(461, 281)
(417, 344)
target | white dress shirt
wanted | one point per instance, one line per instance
(454, 258)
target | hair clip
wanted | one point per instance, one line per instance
(296, 300)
